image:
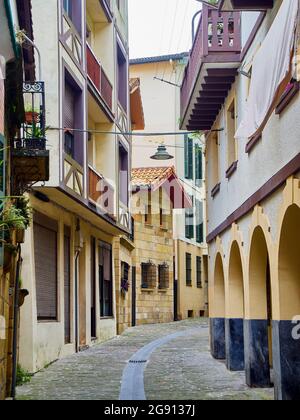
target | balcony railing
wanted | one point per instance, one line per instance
(101, 193)
(218, 33)
(99, 78)
(30, 159)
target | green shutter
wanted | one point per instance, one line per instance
(188, 157)
(200, 222)
(199, 165)
(190, 222)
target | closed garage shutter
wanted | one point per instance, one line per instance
(45, 247)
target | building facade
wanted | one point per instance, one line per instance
(157, 191)
(72, 250)
(161, 102)
(252, 184)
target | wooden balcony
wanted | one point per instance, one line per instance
(101, 193)
(246, 5)
(212, 67)
(101, 84)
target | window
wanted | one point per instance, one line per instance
(73, 9)
(188, 265)
(162, 216)
(199, 165)
(73, 119)
(199, 222)
(123, 175)
(163, 276)
(125, 269)
(231, 130)
(148, 210)
(45, 256)
(188, 157)
(106, 280)
(148, 276)
(199, 272)
(122, 78)
(189, 222)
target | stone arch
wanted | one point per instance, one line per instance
(289, 264)
(286, 340)
(235, 308)
(258, 325)
(217, 321)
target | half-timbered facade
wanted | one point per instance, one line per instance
(80, 213)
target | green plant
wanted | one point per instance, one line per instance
(25, 210)
(28, 108)
(23, 376)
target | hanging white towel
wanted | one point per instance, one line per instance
(271, 67)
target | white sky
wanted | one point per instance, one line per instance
(158, 27)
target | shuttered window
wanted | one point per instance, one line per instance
(199, 222)
(106, 280)
(199, 272)
(45, 253)
(148, 276)
(188, 157)
(67, 284)
(190, 221)
(69, 118)
(199, 165)
(188, 267)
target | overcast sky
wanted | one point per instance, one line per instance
(159, 27)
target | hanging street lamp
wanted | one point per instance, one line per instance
(162, 154)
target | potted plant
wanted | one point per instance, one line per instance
(32, 116)
(25, 213)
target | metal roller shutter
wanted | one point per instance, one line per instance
(45, 247)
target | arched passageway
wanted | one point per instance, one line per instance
(258, 328)
(234, 323)
(217, 322)
(286, 332)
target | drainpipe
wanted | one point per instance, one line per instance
(15, 325)
(76, 302)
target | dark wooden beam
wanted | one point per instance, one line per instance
(216, 87)
(225, 79)
(222, 72)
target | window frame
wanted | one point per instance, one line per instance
(188, 269)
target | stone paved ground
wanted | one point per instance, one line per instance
(182, 369)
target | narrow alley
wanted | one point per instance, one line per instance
(180, 369)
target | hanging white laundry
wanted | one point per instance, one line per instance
(271, 67)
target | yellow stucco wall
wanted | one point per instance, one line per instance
(191, 298)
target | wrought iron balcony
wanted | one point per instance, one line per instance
(217, 47)
(30, 159)
(99, 78)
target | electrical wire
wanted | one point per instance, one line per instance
(162, 35)
(171, 39)
(131, 133)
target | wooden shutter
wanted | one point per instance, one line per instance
(45, 251)
(69, 106)
(199, 163)
(188, 157)
(67, 285)
(199, 222)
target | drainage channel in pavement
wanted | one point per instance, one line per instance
(133, 388)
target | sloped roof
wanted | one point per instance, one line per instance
(147, 177)
(159, 59)
(165, 177)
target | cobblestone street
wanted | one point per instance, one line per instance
(178, 368)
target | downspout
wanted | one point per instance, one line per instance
(23, 37)
(15, 326)
(76, 302)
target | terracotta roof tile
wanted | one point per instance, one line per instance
(146, 177)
